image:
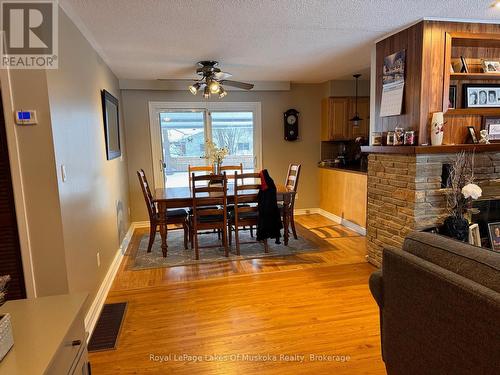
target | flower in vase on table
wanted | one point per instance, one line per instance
(215, 155)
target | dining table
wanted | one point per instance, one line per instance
(182, 197)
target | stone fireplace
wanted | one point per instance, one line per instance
(405, 192)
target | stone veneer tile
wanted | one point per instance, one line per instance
(405, 194)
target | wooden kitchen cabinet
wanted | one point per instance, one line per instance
(335, 115)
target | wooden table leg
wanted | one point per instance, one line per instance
(162, 209)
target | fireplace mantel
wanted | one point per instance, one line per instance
(445, 149)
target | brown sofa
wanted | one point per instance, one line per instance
(439, 307)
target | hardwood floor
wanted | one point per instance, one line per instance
(313, 304)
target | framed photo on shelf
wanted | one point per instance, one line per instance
(491, 66)
(492, 125)
(474, 235)
(452, 97)
(465, 67)
(472, 134)
(481, 95)
(494, 231)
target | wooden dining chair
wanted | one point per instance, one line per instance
(208, 169)
(233, 169)
(246, 210)
(209, 208)
(230, 177)
(173, 216)
(292, 182)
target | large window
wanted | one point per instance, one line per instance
(179, 132)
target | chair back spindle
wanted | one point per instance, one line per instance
(192, 169)
(292, 178)
(146, 192)
(233, 169)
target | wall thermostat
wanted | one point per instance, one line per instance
(26, 117)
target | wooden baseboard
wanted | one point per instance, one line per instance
(102, 293)
(306, 211)
(346, 223)
(140, 224)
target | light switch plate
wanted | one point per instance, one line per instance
(63, 173)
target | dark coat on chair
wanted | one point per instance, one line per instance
(269, 225)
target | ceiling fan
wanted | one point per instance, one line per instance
(213, 79)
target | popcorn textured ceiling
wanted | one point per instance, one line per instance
(255, 40)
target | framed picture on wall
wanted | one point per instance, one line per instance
(452, 97)
(481, 95)
(111, 125)
(494, 232)
(492, 125)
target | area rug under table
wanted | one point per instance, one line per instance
(178, 256)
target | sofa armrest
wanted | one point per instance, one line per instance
(376, 287)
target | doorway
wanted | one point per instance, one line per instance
(179, 132)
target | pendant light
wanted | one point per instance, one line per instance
(356, 119)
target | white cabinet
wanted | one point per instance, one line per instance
(49, 336)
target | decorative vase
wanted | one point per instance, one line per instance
(437, 124)
(457, 227)
(217, 165)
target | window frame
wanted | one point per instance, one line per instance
(155, 108)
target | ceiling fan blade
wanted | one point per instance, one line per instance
(222, 75)
(240, 85)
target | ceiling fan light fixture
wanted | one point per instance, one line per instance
(222, 93)
(211, 80)
(194, 88)
(214, 87)
(206, 92)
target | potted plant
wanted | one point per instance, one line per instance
(459, 197)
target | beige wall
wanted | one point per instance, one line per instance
(70, 221)
(94, 198)
(277, 153)
(348, 88)
(41, 198)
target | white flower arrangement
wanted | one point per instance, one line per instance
(472, 191)
(214, 154)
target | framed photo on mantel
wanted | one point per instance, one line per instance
(494, 232)
(492, 126)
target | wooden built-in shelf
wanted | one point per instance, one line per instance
(474, 76)
(473, 111)
(445, 149)
(475, 40)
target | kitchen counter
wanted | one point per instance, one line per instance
(343, 195)
(352, 169)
